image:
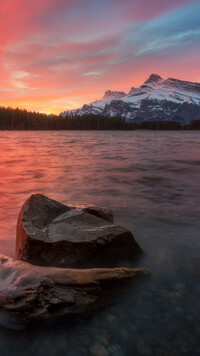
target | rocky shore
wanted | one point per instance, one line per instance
(66, 262)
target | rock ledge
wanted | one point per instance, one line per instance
(35, 293)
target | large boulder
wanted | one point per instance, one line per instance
(53, 234)
(35, 293)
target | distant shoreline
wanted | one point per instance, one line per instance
(100, 130)
(17, 119)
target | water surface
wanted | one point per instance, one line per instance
(151, 181)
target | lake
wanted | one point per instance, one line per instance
(151, 181)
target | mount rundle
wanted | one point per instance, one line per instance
(156, 99)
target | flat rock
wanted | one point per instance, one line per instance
(35, 293)
(53, 234)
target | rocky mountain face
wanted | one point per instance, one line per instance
(156, 99)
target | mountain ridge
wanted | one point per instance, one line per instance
(156, 99)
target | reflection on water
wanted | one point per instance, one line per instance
(151, 182)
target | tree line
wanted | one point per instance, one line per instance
(21, 119)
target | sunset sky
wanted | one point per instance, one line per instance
(59, 54)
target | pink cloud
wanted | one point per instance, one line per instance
(144, 9)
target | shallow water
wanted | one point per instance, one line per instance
(151, 181)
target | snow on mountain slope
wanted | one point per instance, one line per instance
(155, 99)
(145, 90)
(174, 90)
(107, 98)
(97, 106)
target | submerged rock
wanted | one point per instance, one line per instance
(53, 234)
(35, 293)
(98, 350)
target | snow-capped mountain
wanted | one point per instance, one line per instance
(156, 99)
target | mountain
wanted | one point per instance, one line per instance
(156, 99)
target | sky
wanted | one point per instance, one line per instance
(60, 54)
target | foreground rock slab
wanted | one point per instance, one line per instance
(35, 293)
(53, 234)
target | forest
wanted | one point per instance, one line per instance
(21, 119)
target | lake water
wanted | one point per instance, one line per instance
(151, 181)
